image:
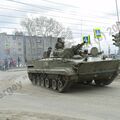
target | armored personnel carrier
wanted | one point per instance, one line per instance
(65, 67)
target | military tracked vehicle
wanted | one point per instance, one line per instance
(64, 67)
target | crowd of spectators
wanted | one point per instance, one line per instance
(9, 63)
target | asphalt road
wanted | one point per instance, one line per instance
(20, 100)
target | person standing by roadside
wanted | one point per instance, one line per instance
(18, 61)
(6, 63)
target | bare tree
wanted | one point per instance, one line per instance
(42, 26)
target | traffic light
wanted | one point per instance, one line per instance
(116, 39)
(116, 44)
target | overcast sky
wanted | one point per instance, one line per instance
(82, 16)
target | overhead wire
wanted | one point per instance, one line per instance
(67, 23)
(77, 19)
(39, 13)
(49, 8)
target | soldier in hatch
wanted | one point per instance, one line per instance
(59, 44)
(47, 53)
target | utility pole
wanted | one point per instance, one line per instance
(109, 50)
(81, 28)
(117, 11)
(24, 49)
(118, 20)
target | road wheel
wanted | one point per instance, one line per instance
(30, 76)
(34, 79)
(61, 85)
(47, 83)
(54, 84)
(38, 80)
(42, 81)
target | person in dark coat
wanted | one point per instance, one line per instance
(59, 44)
(18, 60)
(47, 53)
(6, 64)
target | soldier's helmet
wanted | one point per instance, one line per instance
(59, 40)
(50, 48)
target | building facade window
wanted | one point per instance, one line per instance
(19, 49)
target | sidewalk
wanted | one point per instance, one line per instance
(17, 69)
